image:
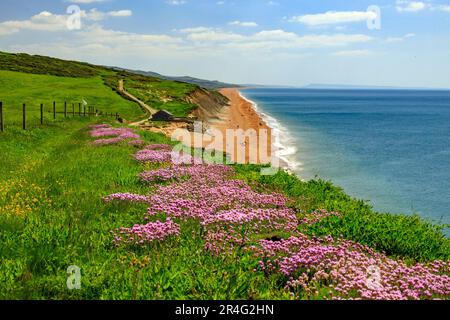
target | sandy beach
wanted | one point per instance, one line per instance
(240, 114)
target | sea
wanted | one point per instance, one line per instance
(390, 147)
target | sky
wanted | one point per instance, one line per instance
(400, 43)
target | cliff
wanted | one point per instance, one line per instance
(209, 103)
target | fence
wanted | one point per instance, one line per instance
(81, 111)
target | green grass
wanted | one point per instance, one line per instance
(59, 80)
(17, 88)
(157, 93)
(45, 65)
(69, 225)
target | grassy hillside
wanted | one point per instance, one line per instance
(45, 65)
(17, 88)
(156, 92)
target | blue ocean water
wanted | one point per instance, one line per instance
(391, 147)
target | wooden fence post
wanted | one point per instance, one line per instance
(84, 111)
(79, 109)
(65, 109)
(23, 117)
(73, 109)
(54, 110)
(2, 127)
(42, 114)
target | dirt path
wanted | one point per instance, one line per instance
(150, 111)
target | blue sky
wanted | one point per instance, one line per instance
(281, 42)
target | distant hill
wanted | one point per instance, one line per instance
(36, 64)
(208, 84)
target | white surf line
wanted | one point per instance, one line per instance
(286, 152)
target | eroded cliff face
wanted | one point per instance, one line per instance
(209, 103)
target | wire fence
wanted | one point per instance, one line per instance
(39, 116)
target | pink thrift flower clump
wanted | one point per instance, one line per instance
(147, 233)
(160, 153)
(152, 156)
(229, 229)
(202, 197)
(350, 270)
(208, 194)
(232, 215)
(225, 207)
(130, 197)
(159, 147)
(177, 172)
(136, 142)
(116, 134)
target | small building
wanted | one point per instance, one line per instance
(162, 115)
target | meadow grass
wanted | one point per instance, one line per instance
(157, 93)
(70, 225)
(17, 88)
(38, 79)
(35, 64)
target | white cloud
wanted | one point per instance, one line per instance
(272, 40)
(85, 1)
(400, 39)
(175, 2)
(243, 23)
(98, 35)
(197, 37)
(196, 30)
(120, 13)
(410, 6)
(47, 21)
(334, 17)
(445, 8)
(44, 21)
(199, 46)
(352, 53)
(215, 36)
(95, 15)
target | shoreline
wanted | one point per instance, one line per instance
(243, 113)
